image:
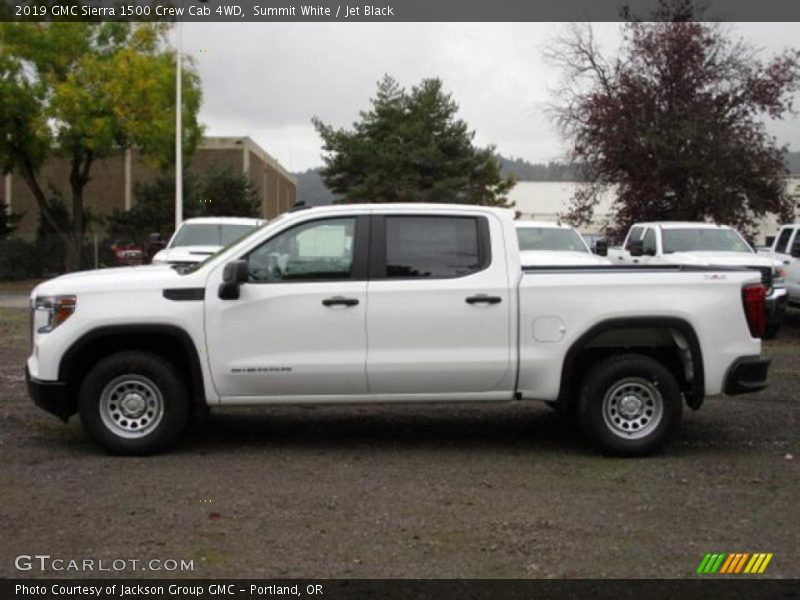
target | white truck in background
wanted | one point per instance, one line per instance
(786, 249)
(198, 238)
(543, 243)
(705, 244)
(388, 303)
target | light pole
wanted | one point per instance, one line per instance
(178, 132)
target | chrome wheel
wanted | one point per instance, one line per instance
(131, 406)
(633, 408)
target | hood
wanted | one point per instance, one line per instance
(558, 258)
(722, 259)
(147, 277)
(185, 254)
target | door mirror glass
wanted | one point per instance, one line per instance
(601, 248)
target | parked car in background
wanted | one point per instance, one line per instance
(546, 243)
(705, 244)
(786, 248)
(197, 239)
(126, 253)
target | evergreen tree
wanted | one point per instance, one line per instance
(411, 147)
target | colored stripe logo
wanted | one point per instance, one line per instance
(734, 563)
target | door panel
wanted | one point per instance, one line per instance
(424, 337)
(298, 327)
(280, 339)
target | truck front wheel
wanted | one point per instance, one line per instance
(629, 405)
(133, 403)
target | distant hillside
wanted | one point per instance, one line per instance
(793, 162)
(312, 190)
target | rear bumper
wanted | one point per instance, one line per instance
(51, 396)
(746, 375)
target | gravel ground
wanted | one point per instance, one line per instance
(406, 491)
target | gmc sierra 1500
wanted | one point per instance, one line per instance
(391, 303)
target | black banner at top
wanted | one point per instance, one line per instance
(239, 11)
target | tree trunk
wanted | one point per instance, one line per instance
(78, 178)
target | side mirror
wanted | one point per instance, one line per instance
(601, 248)
(795, 252)
(636, 248)
(234, 274)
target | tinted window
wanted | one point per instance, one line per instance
(703, 240)
(319, 250)
(435, 247)
(783, 240)
(550, 238)
(634, 236)
(209, 234)
(649, 242)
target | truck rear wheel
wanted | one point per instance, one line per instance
(133, 403)
(629, 405)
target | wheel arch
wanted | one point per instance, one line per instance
(171, 342)
(693, 383)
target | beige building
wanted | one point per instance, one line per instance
(114, 179)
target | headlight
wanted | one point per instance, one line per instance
(52, 311)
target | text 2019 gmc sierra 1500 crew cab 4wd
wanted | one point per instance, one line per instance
(391, 303)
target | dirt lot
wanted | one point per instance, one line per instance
(406, 491)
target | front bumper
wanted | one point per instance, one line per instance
(746, 375)
(51, 396)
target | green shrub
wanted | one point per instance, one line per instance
(19, 259)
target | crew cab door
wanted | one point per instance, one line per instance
(298, 326)
(438, 315)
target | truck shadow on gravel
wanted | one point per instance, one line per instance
(535, 430)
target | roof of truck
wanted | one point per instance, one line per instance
(683, 225)
(522, 223)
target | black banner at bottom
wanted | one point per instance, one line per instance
(400, 589)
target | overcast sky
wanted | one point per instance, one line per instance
(267, 80)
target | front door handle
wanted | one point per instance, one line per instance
(484, 299)
(339, 301)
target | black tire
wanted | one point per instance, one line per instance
(629, 405)
(130, 390)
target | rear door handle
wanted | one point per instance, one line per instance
(484, 299)
(339, 301)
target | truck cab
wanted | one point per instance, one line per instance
(786, 249)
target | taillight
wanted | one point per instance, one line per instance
(754, 300)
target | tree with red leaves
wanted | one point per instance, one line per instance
(675, 122)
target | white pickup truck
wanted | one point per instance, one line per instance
(391, 303)
(786, 248)
(705, 244)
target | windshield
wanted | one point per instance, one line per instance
(184, 269)
(703, 240)
(209, 234)
(550, 238)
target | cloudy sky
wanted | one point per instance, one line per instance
(267, 80)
